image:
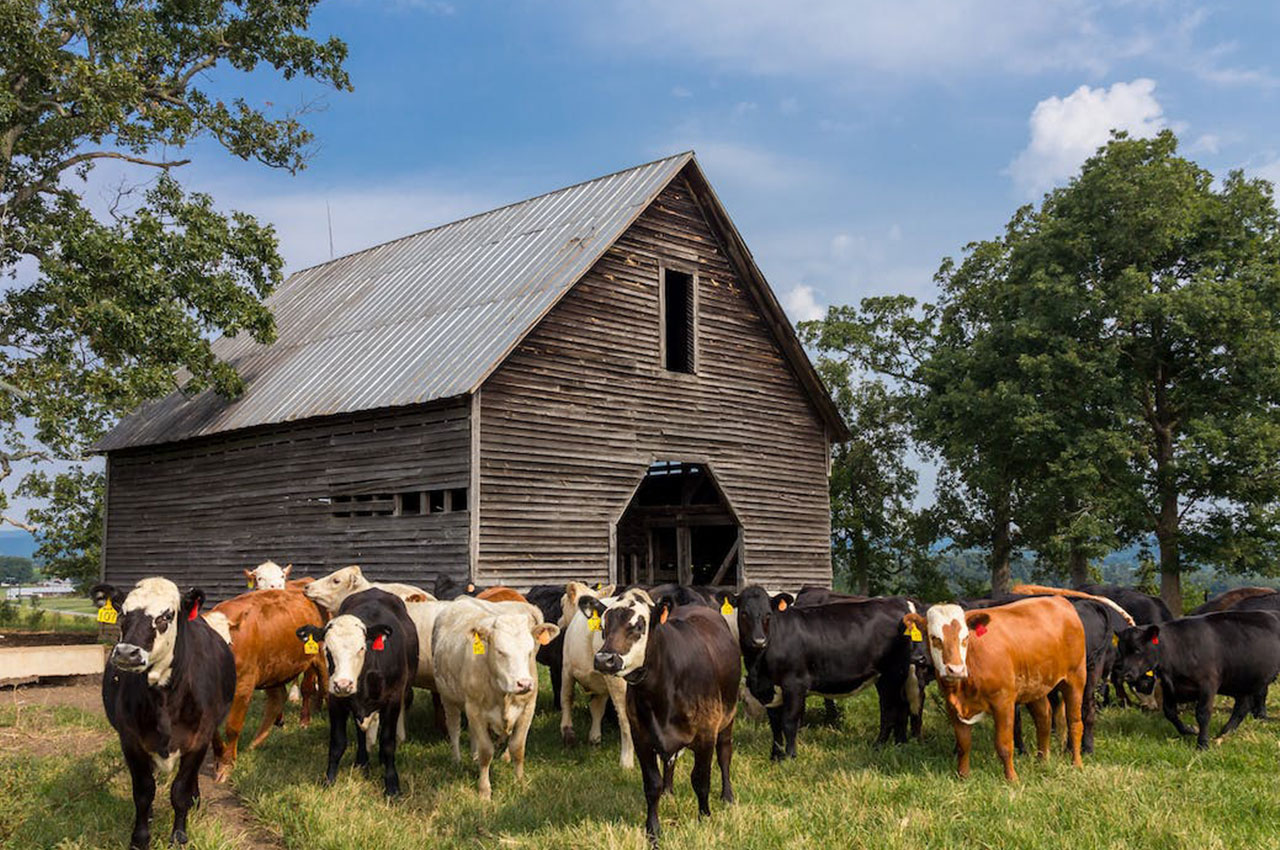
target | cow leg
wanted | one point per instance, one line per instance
(1073, 693)
(437, 714)
(792, 714)
(453, 720)
(1018, 746)
(597, 715)
(519, 736)
(338, 713)
(235, 723)
(556, 670)
(724, 755)
(893, 717)
(651, 777)
(388, 737)
(1117, 683)
(1089, 710)
(567, 735)
(362, 744)
(482, 748)
(1002, 713)
(700, 778)
(669, 773)
(1059, 716)
(1170, 708)
(1040, 714)
(913, 692)
(778, 752)
(185, 789)
(618, 696)
(1260, 704)
(1204, 709)
(831, 717)
(1239, 711)
(144, 794)
(964, 743)
(274, 708)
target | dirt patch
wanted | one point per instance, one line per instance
(220, 802)
(82, 692)
(14, 639)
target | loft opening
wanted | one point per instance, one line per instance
(679, 527)
(679, 321)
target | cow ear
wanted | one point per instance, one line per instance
(191, 602)
(471, 588)
(378, 630)
(356, 574)
(976, 619)
(783, 601)
(288, 568)
(589, 605)
(309, 631)
(914, 619)
(248, 574)
(100, 593)
(1151, 635)
(723, 596)
(662, 610)
(544, 633)
(607, 590)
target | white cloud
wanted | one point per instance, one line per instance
(1267, 171)
(735, 166)
(801, 304)
(1065, 131)
(1205, 143)
(681, 92)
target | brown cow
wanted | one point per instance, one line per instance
(263, 626)
(501, 594)
(990, 660)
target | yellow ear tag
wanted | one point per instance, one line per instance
(477, 645)
(1151, 673)
(916, 637)
(593, 622)
(249, 584)
(1115, 640)
(726, 608)
(107, 614)
(309, 646)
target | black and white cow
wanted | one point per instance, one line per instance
(682, 670)
(1236, 653)
(167, 687)
(371, 646)
(834, 650)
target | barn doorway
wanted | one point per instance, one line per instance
(679, 528)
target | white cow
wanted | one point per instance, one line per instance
(582, 640)
(268, 576)
(484, 665)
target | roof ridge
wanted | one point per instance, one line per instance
(441, 226)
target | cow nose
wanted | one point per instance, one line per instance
(956, 671)
(343, 686)
(758, 642)
(523, 686)
(608, 662)
(126, 655)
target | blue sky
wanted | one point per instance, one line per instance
(854, 144)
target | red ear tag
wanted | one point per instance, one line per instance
(195, 610)
(378, 644)
(1155, 641)
(980, 630)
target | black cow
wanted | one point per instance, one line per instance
(811, 595)
(371, 646)
(1236, 653)
(833, 650)
(166, 689)
(1145, 610)
(447, 589)
(549, 598)
(682, 670)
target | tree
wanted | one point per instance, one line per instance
(113, 307)
(1174, 288)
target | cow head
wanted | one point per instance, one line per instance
(755, 608)
(947, 631)
(1139, 651)
(507, 643)
(150, 618)
(625, 631)
(268, 576)
(329, 591)
(346, 639)
(574, 593)
(447, 589)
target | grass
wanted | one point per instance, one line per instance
(70, 604)
(1144, 788)
(59, 617)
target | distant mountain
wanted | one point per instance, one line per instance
(15, 541)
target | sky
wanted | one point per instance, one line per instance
(855, 144)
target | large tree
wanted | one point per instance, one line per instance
(108, 307)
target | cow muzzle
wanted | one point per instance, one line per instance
(608, 663)
(129, 658)
(955, 671)
(523, 686)
(342, 687)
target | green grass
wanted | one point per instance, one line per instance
(22, 617)
(1144, 788)
(73, 604)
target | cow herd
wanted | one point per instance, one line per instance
(670, 659)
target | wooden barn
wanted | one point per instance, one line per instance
(593, 384)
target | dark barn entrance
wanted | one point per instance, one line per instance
(679, 528)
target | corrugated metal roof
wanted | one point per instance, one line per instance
(425, 317)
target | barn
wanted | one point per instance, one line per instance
(596, 383)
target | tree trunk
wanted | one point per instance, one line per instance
(1079, 566)
(861, 578)
(1001, 548)
(1168, 522)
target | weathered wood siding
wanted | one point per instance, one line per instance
(572, 419)
(201, 511)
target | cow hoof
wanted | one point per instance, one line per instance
(179, 838)
(595, 742)
(567, 735)
(222, 773)
(305, 723)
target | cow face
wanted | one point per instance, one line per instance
(335, 587)
(755, 608)
(149, 628)
(948, 629)
(625, 631)
(268, 576)
(509, 643)
(1139, 651)
(574, 593)
(346, 642)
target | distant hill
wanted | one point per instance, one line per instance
(15, 541)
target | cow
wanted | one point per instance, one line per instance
(990, 660)
(549, 599)
(484, 666)
(501, 594)
(268, 576)
(1231, 598)
(834, 650)
(1145, 609)
(447, 589)
(330, 590)
(371, 648)
(262, 625)
(811, 595)
(1236, 653)
(682, 670)
(168, 684)
(582, 634)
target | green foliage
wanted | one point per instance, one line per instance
(15, 569)
(112, 308)
(70, 519)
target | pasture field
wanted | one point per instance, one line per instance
(1144, 788)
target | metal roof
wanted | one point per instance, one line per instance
(425, 317)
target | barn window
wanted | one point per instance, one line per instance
(679, 321)
(458, 499)
(435, 501)
(408, 504)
